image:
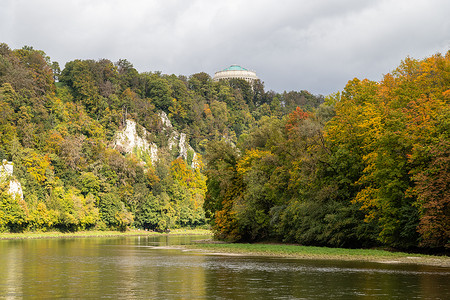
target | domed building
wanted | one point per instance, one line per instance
(235, 71)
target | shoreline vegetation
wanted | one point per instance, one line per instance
(213, 247)
(98, 145)
(311, 252)
(98, 233)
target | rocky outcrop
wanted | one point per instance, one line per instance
(165, 120)
(6, 174)
(177, 139)
(128, 140)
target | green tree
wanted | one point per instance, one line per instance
(13, 210)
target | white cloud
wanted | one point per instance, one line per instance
(312, 45)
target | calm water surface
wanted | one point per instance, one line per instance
(132, 268)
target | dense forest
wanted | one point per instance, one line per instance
(367, 166)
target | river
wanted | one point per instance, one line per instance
(142, 268)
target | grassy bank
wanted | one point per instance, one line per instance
(309, 252)
(78, 234)
(274, 250)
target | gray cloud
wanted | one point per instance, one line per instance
(292, 45)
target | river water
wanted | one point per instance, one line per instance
(133, 268)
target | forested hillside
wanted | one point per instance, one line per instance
(368, 167)
(364, 167)
(60, 130)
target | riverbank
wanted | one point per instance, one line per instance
(310, 252)
(238, 249)
(82, 234)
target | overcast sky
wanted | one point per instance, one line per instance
(310, 45)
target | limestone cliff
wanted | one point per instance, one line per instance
(130, 141)
(6, 174)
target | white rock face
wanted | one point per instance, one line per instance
(129, 140)
(173, 140)
(15, 188)
(177, 139)
(153, 153)
(6, 172)
(182, 146)
(165, 120)
(8, 167)
(195, 164)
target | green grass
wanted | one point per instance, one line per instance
(271, 249)
(58, 234)
(310, 252)
(276, 250)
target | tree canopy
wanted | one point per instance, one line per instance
(366, 166)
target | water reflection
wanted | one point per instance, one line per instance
(130, 268)
(283, 278)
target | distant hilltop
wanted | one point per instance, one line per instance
(235, 72)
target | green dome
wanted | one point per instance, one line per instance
(235, 71)
(235, 68)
